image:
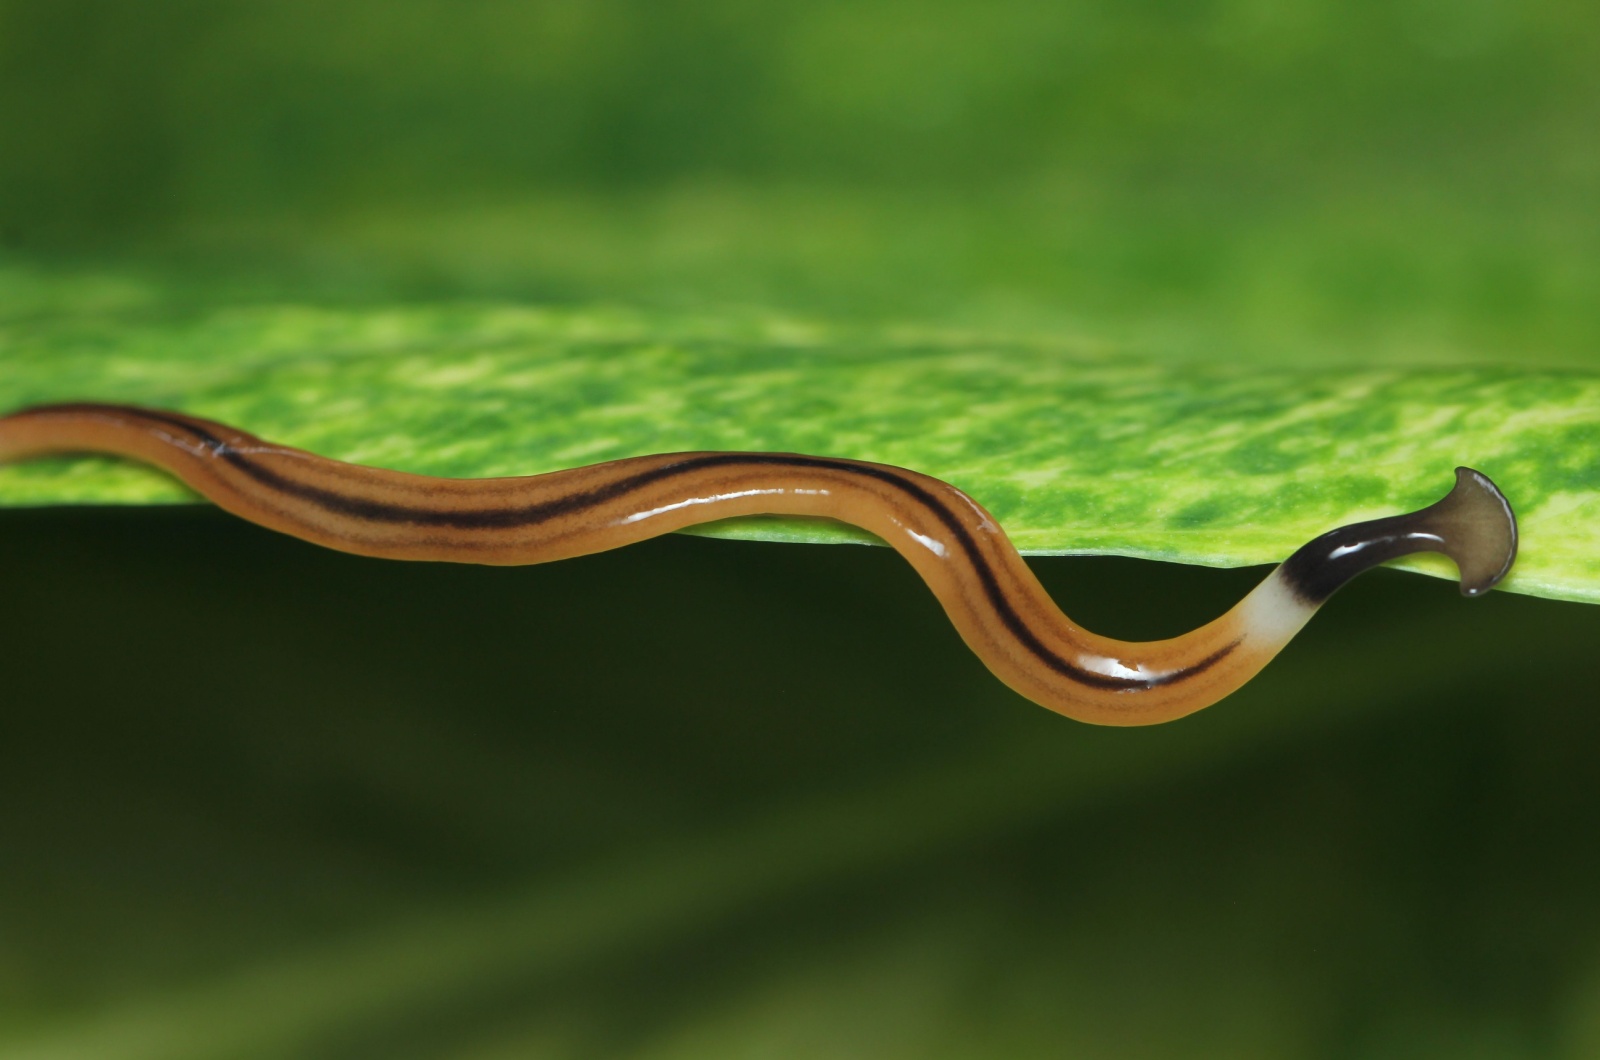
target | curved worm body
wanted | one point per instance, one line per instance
(991, 596)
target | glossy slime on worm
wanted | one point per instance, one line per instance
(991, 596)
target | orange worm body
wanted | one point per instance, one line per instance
(958, 548)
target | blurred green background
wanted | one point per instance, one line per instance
(708, 798)
(1358, 180)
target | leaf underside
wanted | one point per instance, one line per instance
(1075, 450)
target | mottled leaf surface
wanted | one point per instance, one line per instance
(1074, 449)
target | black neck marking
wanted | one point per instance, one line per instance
(1322, 566)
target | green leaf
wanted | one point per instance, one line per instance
(1075, 449)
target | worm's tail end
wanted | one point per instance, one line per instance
(1477, 529)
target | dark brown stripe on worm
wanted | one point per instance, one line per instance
(532, 515)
